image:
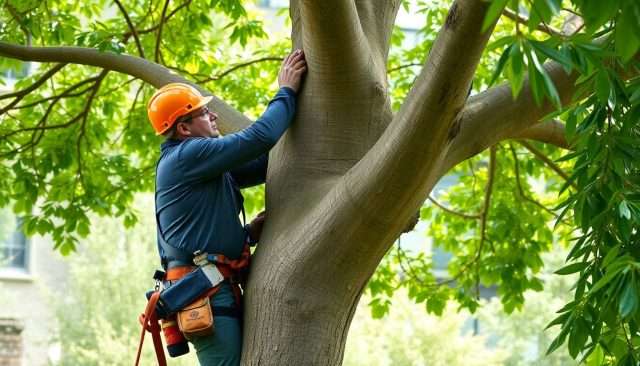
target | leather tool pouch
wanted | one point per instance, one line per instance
(184, 292)
(196, 319)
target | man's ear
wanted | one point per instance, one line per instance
(183, 129)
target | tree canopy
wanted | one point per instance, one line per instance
(74, 139)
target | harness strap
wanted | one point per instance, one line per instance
(149, 321)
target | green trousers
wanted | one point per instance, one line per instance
(224, 346)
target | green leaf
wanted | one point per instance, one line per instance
(572, 268)
(611, 274)
(570, 126)
(516, 70)
(559, 320)
(536, 84)
(602, 86)
(548, 83)
(624, 211)
(83, 228)
(611, 255)
(501, 62)
(553, 54)
(627, 40)
(628, 301)
(578, 337)
(495, 9)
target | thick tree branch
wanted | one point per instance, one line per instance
(493, 115)
(413, 143)
(131, 27)
(377, 19)
(157, 75)
(335, 44)
(20, 94)
(551, 132)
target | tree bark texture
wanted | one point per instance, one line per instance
(348, 175)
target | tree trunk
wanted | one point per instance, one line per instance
(323, 239)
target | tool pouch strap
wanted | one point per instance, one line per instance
(149, 321)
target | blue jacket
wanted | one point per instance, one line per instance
(198, 200)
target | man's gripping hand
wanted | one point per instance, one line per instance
(293, 68)
(254, 228)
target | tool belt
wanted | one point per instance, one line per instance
(186, 295)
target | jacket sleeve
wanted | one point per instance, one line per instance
(203, 158)
(251, 173)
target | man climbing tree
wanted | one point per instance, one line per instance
(376, 128)
(198, 198)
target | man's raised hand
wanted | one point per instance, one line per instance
(293, 68)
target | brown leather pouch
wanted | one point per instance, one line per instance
(196, 319)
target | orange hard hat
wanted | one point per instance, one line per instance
(172, 101)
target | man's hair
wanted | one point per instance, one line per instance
(172, 132)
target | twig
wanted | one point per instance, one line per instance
(41, 124)
(133, 106)
(20, 94)
(155, 27)
(572, 12)
(546, 160)
(16, 17)
(160, 26)
(410, 272)
(83, 125)
(117, 87)
(125, 183)
(516, 17)
(393, 69)
(453, 212)
(487, 199)
(132, 27)
(521, 190)
(545, 25)
(40, 101)
(238, 66)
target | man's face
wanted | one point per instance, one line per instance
(203, 123)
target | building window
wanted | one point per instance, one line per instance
(14, 252)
